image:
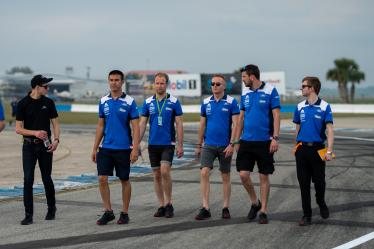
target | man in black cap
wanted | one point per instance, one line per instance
(35, 112)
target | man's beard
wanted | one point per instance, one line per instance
(160, 91)
(249, 84)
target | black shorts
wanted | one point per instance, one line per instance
(160, 154)
(109, 159)
(251, 152)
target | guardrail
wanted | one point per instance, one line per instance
(336, 108)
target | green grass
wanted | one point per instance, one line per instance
(78, 118)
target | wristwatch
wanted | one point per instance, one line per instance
(276, 138)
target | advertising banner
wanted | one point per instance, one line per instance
(277, 79)
(233, 83)
(188, 85)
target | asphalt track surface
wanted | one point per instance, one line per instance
(350, 196)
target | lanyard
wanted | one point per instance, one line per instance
(162, 107)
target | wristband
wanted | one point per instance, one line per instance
(276, 138)
(57, 139)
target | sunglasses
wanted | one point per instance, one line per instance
(303, 86)
(215, 84)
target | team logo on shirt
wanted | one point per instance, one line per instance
(44, 107)
(168, 109)
(302, 115)
(151, 108)
(225, 109)
(106, 109)
(246, 101)
(208, 109)
(316, 116)
(122, 110)
(169, 103)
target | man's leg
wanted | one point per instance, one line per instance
(157, 182)
(45, 165)
(29, 161)
(205, 186)
(304, 177)
(318, 178)
(105, 192)
(105, 165)
(247, 184)
(226, 184)
(166, 181)
(264, 191)
(126, 195)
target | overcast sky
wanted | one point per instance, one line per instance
(298, 37)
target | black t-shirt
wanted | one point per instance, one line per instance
(36, 113)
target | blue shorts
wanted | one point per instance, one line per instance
(109, 159)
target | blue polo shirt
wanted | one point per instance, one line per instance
(258, 117)
(1, 112)
(312, 120)
(218, 119)
(162, 134)
(117, 114)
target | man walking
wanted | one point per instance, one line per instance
(312, 116)
(218, 121)
(117, 111)
(2, 117)
(35, 112)
(259, 124)
(13, 107)
(162, 110)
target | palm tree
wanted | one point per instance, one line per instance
(357, 76)
(346, 70)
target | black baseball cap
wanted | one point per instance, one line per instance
(40, 80)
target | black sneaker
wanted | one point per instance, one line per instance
(51, 214)
(107, 216)
(324, 211)
(203, 214)
(169, 211)
(263, 218)
(305, 221)
(160, 212)
(226, 213)
(27, 220)
(254, 209)
(123, 218)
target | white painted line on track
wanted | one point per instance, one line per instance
(356, 242)
(340, 137)
(355, 138)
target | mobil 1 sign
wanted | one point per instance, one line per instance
(185, 85)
